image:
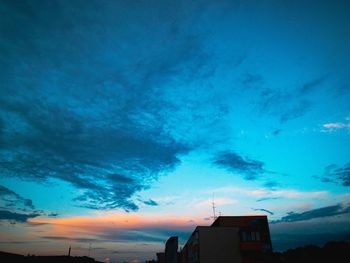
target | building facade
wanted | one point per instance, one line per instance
(235, 239)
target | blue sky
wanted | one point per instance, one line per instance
(121, 121)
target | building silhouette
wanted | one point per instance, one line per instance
(238, 239)
(161, 257)
(171, 247)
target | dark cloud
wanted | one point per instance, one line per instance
(276, 132)
(283, 104)
(263, 210)
(271, 184)
(267, 198)
(315, 213)
(289, 104)
(312, 85)
(10, 199)
(150, 202)
(235, 163)
(80, 107)
(284, 241)
(17, 217)
(16, 208)
(80, 240)
(53, 214)
(251, 79)
(160, 234)
(335, 174)
(14, 242)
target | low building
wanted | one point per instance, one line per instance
(236, 239)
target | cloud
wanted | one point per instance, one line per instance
(289, 104)
(231, 161)
(335, 126)
(10, 199)
(268, 198)
(107, 163)
(285, 241)
(263, 210)
(268, 194)
(53, 214)
(150, 202)
(17, 217)
(115, 219)
(265, 194)
(312, 85)
(271, 184)
(276, 132)
(335, 174)
(75, 239)
(221, 201)
(282, 103)
(91, 102)
(16, 208)
(315, 213)
(316, 231)
(146, 235)
(117, 227)
(251, 79)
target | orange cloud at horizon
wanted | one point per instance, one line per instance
(71, 226)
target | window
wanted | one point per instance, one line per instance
(253, 236)
(244, 236)
(250, 236)
(257, 236)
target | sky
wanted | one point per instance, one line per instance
(122, 121)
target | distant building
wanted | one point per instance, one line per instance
(171, 248)
(236, 239)
(161, 257)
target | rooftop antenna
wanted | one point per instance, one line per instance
(214, 214)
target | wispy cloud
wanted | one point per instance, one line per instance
(264, 194)
(15, 208)
(287, 193)
(221, 201)
(9, 198)
(233, 162)
(267, 199)
(289, 104)
(335, 126)
(150, 202)
(117, 227)
(74, 239)
(263, 210)
(315, 213)
(336, 174)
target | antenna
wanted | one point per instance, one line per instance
(89, 249)
(214, 214)
(69, 251)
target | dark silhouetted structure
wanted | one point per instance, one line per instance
(171, 247)
(241, 239)
(8, 257)
(161, 257)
